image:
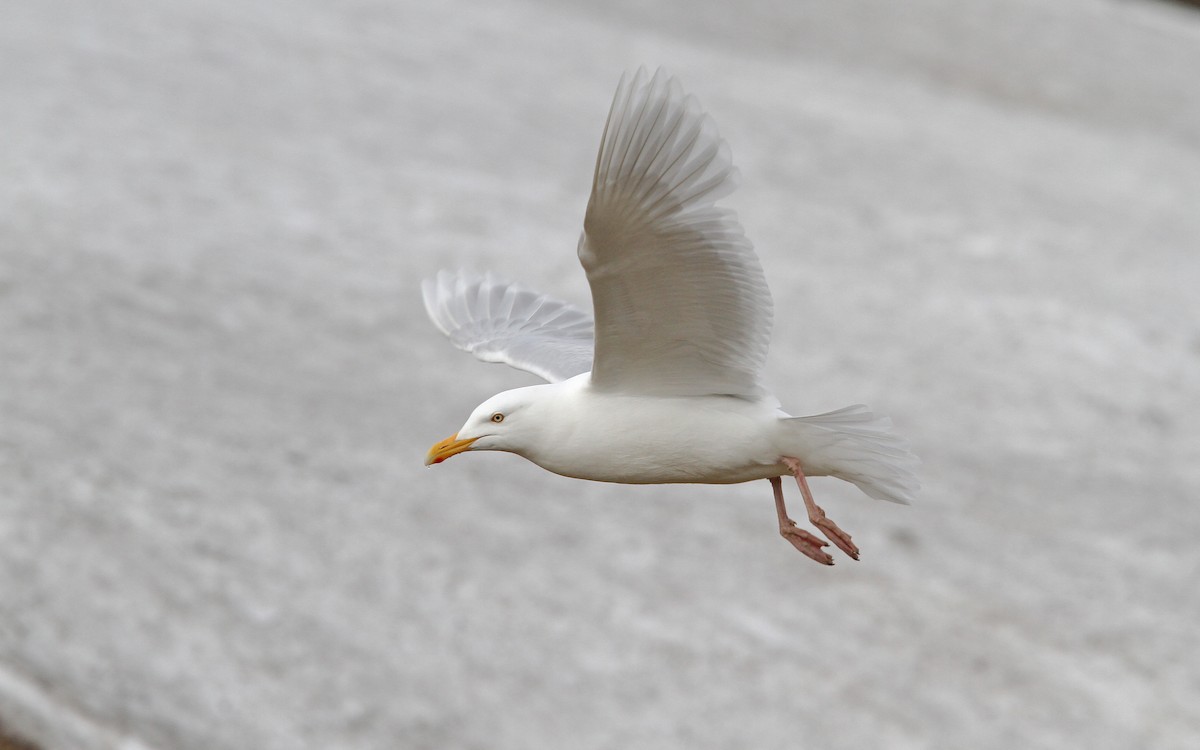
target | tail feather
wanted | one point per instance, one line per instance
(856, 445)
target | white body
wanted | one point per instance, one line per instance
(652, 440)
(574, 429)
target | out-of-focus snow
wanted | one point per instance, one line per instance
(217, 383)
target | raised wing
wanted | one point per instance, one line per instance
(500, 322)
(681, 303)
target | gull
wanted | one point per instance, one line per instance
(663, 385)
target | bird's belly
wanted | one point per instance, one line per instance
(633, 446)
(659, 474)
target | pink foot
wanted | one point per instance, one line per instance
(807, 543)
(802, 540)
(833, 533)
(817, 516)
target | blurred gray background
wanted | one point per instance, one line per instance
(217, 383)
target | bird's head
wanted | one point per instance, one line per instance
(499, 424)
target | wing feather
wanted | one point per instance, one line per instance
(680, 300)
(499, 322)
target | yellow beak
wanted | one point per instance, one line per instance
(449, 447)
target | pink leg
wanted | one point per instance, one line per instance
(817, 516)
(800, 539)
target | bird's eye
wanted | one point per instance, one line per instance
(497, 417)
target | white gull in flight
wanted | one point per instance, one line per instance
(664, 385)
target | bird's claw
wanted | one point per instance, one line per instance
(809, 544)
(834, 534)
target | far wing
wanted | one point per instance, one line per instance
(500, 322)
(681, 303)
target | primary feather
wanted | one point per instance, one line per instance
(682, 307)
(500, 322)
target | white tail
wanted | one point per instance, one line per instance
(855, 445)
